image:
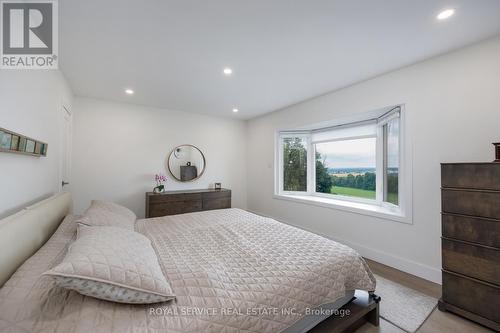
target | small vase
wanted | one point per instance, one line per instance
(159, 189)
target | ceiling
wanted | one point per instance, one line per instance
(172, 52)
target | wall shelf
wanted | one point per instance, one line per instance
(15, 143)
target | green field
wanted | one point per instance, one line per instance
(356, 192)
(353, 192)
(392, 198)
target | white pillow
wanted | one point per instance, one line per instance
(113, 264)
(105, 213)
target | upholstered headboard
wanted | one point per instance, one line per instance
(23, 233)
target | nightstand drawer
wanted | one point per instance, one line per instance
(472, 295)
(216, 195)
(482, 176)
(174, 208)
(217, 203)
(160, 198)
(476, 261)
(472, 229)
(471, 202)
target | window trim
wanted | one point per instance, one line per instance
(384, 162)
(377, 208)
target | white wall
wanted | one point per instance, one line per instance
(31, 104)
(117, 149)
(453, 112)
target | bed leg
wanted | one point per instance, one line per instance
(374, 297)
(374, 315)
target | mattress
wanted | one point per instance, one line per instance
(231, 271)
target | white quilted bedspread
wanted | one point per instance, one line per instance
(232, 271)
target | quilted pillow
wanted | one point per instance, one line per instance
(113, 264)
(105, 213)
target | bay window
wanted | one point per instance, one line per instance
(357, 165)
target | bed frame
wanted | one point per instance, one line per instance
(22, 234)
(364, 308)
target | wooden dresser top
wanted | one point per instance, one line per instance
(471, 163)
(189, 191)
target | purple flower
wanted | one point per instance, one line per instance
(159, 178)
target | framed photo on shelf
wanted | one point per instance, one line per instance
(38, 148)
(14, 142)
(30, 146)
(5, 141)
(44, 149)
(22, 145)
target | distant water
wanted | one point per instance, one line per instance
(356, 170)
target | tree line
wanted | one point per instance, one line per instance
(366, 181)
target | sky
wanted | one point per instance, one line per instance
(358, 153)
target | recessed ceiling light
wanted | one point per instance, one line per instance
(228, 71)
(447, 13)
(235, 110)
(129, 91)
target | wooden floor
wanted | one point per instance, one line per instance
(438, 322)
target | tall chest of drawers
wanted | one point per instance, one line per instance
(470, 198)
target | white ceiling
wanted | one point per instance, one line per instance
(172, 52)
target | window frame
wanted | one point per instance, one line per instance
(307, 138)
(374, 207)
(384, 162)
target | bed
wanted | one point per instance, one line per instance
(231, 271)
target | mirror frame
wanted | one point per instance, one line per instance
(191, 180)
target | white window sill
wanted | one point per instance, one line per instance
(349, 206)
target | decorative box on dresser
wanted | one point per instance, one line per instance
(470, 195)
(180, 202)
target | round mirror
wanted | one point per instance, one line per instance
(186, 163)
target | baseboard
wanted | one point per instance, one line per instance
(408, 266)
